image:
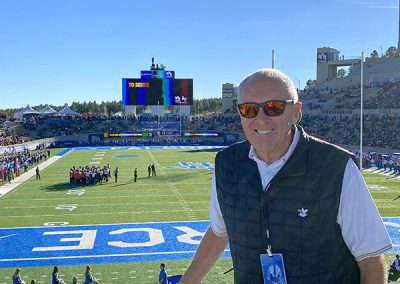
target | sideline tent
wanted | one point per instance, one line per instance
(48, 110)
(67, 111)
(26, 110)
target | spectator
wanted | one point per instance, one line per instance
(162, 276)
(55, 278)
(89, 279)
(17, 279)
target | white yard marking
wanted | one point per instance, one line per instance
(77, 192)
(69, 207)
(52, 224)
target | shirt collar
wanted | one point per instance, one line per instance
(253, 154)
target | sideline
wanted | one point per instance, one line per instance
(7, 187)
(381, 171)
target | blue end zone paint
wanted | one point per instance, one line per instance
(62, 153)
(49, 246)
(126, 157)
(114, 243)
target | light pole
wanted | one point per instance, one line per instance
(298, 81)
(180, 117)
(361, 108)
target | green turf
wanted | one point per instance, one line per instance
(173, 195)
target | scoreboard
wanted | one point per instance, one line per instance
(157, 87)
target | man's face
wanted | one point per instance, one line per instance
(270, 135)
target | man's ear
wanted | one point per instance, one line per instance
(297, 113)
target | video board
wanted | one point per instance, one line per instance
(154, 91)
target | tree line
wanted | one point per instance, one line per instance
(109, 108)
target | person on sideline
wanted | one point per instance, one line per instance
(290, 193)
(37, 173)
(17, 278)
(89, 279)
(116, 171)
(162, 276)
(135, 175)
(55, 278)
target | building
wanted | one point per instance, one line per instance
(229, 97)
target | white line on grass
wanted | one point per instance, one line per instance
(108, 204)
(104, 213)
(101, 255)
(108, 197)
(175, 190)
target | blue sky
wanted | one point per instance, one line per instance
(60, 51)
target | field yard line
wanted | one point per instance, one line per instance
(102, 213)
(382, 172)
(6, 188)
(102, 255)
(174, 189)
(103, 205)
(107, 197)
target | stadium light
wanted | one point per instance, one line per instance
(180, 117)
(361, 108)
(298, 81)
(273, 59)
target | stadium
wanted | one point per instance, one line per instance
(125, 185)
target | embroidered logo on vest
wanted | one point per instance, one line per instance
(302, 212)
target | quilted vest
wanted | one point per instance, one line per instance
(313, 248)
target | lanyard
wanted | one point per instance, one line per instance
(265, 215)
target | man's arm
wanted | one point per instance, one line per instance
(210, 248)
(373, 270)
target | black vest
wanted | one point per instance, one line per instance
(313, 248)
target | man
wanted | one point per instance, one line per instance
(37, 173)
(162, 276)
(135, 175)
(153, 170)
(292, 193)
(116, 174)
(149, 170)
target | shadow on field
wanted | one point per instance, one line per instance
(121, 184)
(203, 150)
(59, 187)
(181, 176)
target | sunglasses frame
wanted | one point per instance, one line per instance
(262, 105)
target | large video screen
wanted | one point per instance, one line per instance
(166, 92)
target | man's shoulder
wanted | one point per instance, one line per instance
(238, 150)
(327, 147)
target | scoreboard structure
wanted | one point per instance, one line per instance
(157, 87)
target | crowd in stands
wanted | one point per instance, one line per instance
(380, 130)
(8, 136)
(89, 175)
(13, 163)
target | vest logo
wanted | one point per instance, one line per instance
(302, 212)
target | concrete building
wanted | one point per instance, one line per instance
(229, 97)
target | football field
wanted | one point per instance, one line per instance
(125, 229)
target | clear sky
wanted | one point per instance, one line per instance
(60, 51)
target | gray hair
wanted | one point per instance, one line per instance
(273, 75)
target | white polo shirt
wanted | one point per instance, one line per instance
(362, 227)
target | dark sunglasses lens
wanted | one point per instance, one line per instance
(248, 110)
(274, 108)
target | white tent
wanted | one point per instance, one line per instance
(67, 111)
(26, 110)
(48, 110)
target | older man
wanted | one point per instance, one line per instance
(288, 191)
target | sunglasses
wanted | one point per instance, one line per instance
(270, 108)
